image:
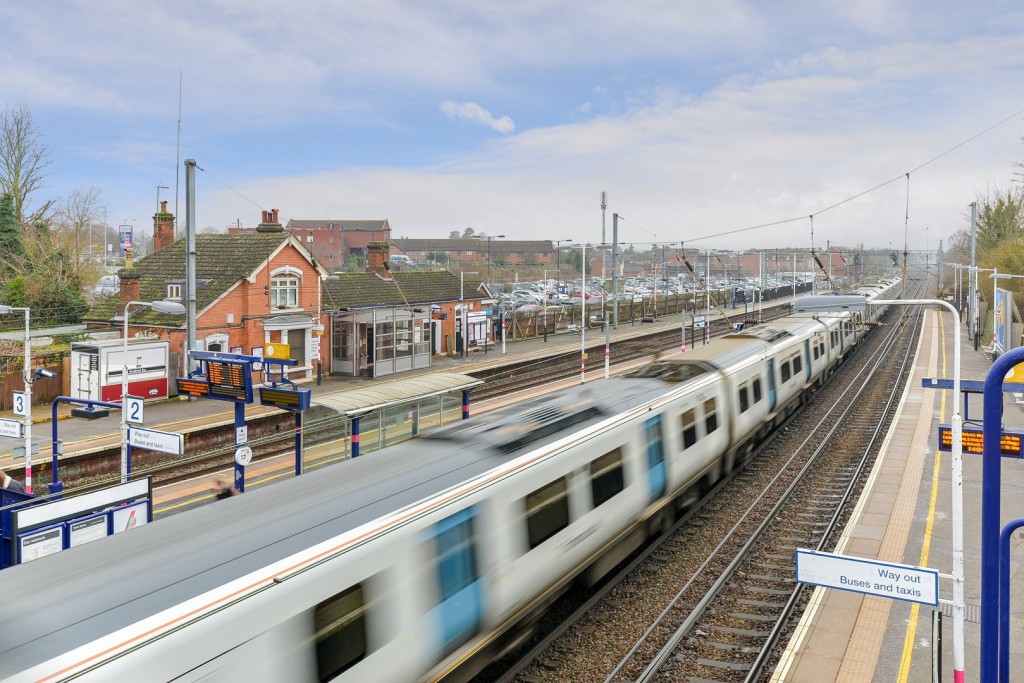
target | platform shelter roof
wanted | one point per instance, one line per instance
(356, 402)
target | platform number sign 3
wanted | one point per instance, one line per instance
(133, 406)
(20, 406)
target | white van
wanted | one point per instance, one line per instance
(401, 259)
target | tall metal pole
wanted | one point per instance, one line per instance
(615, 269)
(190, 263)
(583, 322)
(972, 323)
(28, 403)
(604, 290)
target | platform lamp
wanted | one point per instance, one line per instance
(27, 375)
(168, 307)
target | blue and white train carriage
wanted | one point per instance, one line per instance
(427, 559)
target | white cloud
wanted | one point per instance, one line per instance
(473, 112)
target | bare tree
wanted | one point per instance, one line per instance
(77, 214)
(23, 160)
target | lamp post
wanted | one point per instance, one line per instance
(488, 239)
(462, 302)
(558, 265)
(836, 303)
(27, 375)
(169, 307)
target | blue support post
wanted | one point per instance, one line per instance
(355, 437)
(298, 442)
(56, 487)
(465, 404)
(239, 469)
(1004, 589)
(991, 477)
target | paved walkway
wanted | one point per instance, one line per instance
(904, 516)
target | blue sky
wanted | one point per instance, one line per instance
(697, 118)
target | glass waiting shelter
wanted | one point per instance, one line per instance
(379, 341)
(387, 413)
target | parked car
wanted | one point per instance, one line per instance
(107, 285)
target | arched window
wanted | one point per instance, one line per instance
(284, 287)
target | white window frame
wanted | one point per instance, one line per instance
(174, 292)
(284, 292)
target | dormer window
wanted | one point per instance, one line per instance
(174, 290)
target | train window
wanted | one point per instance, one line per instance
(797, 364)
(822, 345)
(710, 418)
(340, 628)
(757, 390)
(547, 512)
(744, 400)
(606, 476)
(816, 354)
(785, 372)
(456, 560)
(689, 420)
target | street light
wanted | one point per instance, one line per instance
(558, 265)
(858, 303)
(462, 302)
(489, 238)
(27, 375)
(168, 307)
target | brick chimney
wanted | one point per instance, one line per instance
(270, 223)
(129, 288)
(163, 228)
(376, 258)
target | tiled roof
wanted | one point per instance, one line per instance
(366, 290)
(338, 224)
(221, 261)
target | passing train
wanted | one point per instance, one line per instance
(425, 560)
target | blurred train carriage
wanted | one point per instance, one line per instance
(428, 559)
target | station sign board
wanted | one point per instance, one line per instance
(155, 440)
(870, 577)
(1011, 442)
(11, 428)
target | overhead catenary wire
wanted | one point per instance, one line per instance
(870, 189)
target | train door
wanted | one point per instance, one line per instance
(771, 385)
(807, 362)
(655, 457)
(459, 608)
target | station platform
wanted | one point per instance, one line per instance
(904, 516)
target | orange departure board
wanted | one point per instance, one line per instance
(193, 387)
(1011, 443)
(229, 380)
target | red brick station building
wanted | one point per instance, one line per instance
(265, 285)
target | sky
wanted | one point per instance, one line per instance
(699, 119)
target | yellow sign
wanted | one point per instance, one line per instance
(277, 351)
(1015, 376)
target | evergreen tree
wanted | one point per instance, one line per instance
(11, 249)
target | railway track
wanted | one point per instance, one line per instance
(712, 599)
(499, 381)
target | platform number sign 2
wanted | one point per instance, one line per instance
(133, 406)
(20, 406)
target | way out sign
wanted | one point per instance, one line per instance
(884, 579)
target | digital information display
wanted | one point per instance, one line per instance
(289, 399)
(1011, 444)
(229, 380)
(193, 387)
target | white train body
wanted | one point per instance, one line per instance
(406, 564)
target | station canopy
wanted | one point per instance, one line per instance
(356, 402)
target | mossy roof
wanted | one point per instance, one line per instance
(221, 261)
(367, 290)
